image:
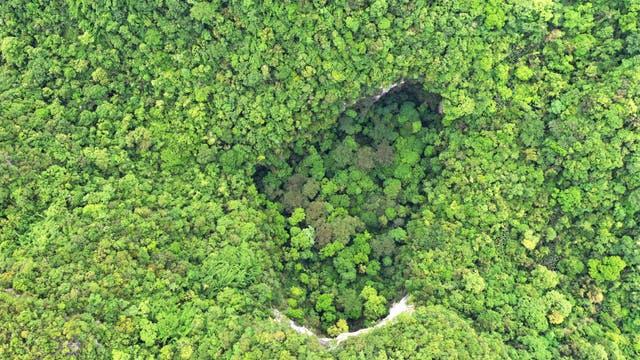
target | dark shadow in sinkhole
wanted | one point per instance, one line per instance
(349, 198)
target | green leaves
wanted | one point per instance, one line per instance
(12, 50)
(474, 282)
(302, 239)
(297, 216)
(408, 113)
(608, 268)
(232, 266)
(148, 333)
(559, 307)
(204, 11)
(167, 172)
(374, 304)
(324, 303)
(523, 73)
(570, 200)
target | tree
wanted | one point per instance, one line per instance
(204, 11)
(297, 216)
(608, 268)
(374, 304)
(543, 278)
(302, 239)
(474, 282)
(558, 305)
(340, 327)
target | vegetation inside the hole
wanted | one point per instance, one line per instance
(348, 198)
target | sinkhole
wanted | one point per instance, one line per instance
(349, 198)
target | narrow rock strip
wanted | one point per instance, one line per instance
(330, 343)
(385, 90)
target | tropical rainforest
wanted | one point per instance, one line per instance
(172, 172)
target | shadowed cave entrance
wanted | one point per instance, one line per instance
(349, 200)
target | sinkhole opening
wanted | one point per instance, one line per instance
(348, 199)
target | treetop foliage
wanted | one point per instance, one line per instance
(171, 171)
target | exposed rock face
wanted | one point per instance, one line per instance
(396, 309)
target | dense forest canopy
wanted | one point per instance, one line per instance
(171, 171)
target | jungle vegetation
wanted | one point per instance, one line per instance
(171, 171)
